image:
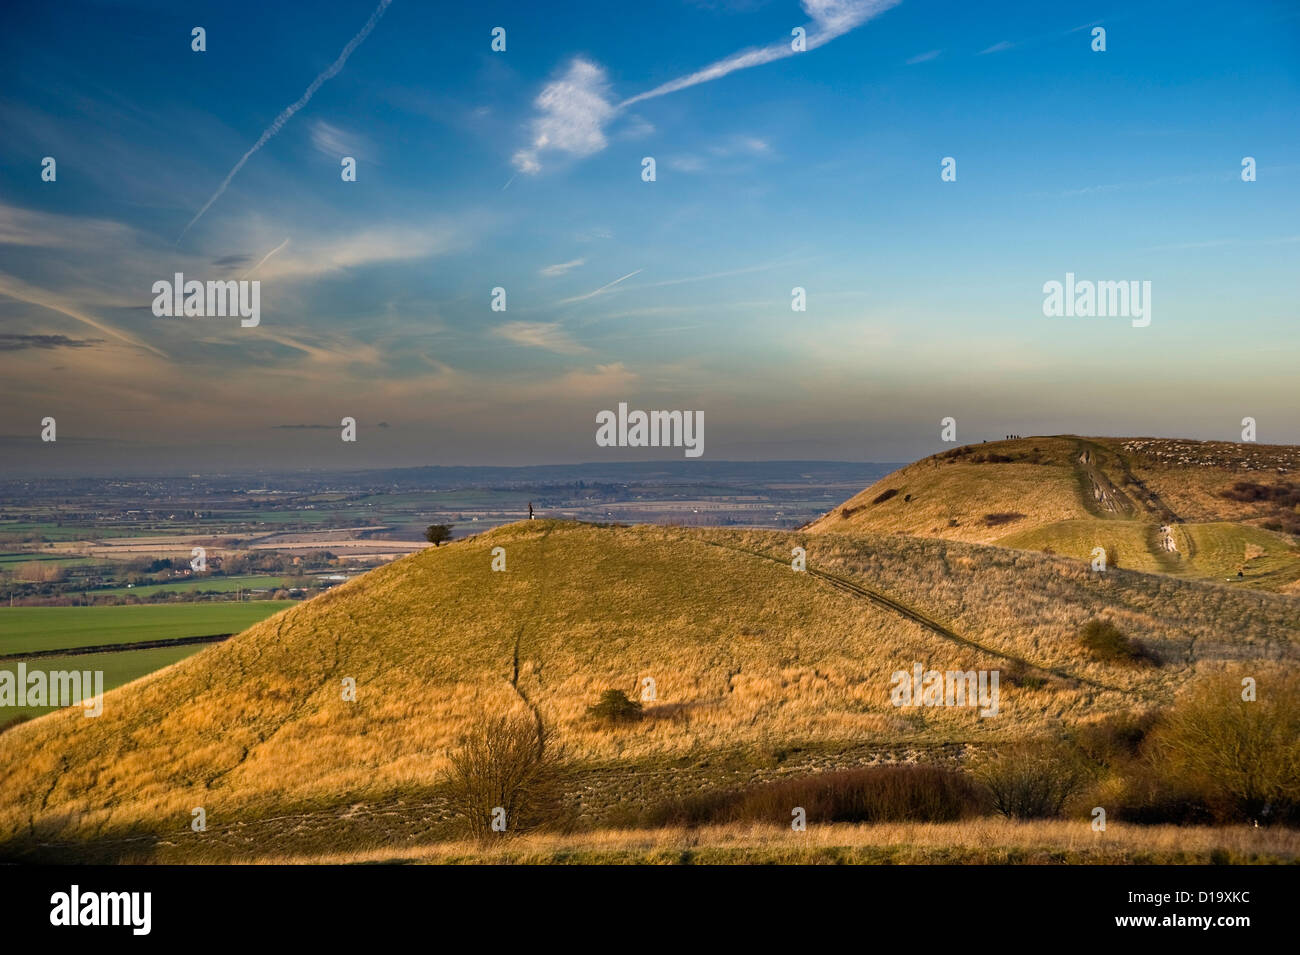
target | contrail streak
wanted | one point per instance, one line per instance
(262, 262)
(288, 112)
(833, 18)
(583, 298)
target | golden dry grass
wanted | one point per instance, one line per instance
(1189, 475)
(745, 653)
(1046, 500)
(991, 840)
(946, 490)
(1032, 606)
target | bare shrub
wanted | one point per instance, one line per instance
(1032, 780)
(890, 793)
(41, 572)
(505, 763)
(1115, 741)
(1020, 674)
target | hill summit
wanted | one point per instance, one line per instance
(1198, 509)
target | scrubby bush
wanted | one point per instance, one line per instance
(1020, 674)
(1003, 517)
(614, 706)
(909, 793)
(505, 763)
(890, 793)
(1107, 643)
(1283, 493)
(1115, 741)
(1032, 780)
(1242, 756)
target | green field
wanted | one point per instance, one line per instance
(225, 585)
(73, 531)
(11, 561)
(1130, 541)
(27, 629)
(1218, 548)
(1205, 551)
(118, 668)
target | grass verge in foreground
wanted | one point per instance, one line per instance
(980, 842)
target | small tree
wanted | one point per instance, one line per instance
(504, 766)
(1243, 754)
(435, 534)
(41, 572)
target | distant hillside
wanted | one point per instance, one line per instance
(745, 654)
(1199, 509)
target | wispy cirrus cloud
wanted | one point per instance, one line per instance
(603, 380)
(1004, 45)
(383, 243)
(575, 109)
(15, 288)
(737, 147)
(336, 142)
(561, 268)
(925, 57)
(40, 229)
(545, 335)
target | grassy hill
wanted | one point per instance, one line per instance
(759, 670)
(1202, 510)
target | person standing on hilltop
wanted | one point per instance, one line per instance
(530, 510)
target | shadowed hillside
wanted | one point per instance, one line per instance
(745, 654)
(1197, 509)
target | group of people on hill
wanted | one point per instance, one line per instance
(1013, 437)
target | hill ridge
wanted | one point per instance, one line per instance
(1202, 510)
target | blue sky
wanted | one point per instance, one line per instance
(522, 169)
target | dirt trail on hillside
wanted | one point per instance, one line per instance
(1108, 501)
(889, 603)
(1106, 497)
(523, 627)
